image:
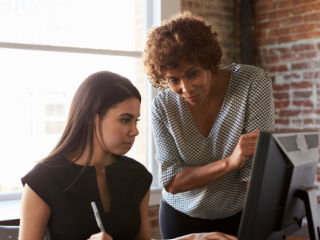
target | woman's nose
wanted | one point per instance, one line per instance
(135, 131)
(186, 86)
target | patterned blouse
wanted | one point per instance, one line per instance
(247, 107)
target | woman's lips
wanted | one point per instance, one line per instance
(128, 145)
(193, 98)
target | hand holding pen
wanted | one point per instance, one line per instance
(102, 235)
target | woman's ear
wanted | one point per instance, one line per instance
(96, 120)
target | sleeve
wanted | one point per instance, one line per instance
(145, 180)
(38, 179)
(260, 113)
(167, 154)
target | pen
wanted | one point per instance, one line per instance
(97, 215)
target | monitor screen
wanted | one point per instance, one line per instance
(284, 163)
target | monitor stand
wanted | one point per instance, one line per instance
(308, 196)
(284, 233)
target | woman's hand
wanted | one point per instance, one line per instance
(244, 150)
(207, 236)
(101, 236)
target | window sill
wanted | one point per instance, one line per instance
(155, 196)
(10, 203)
(10, 209)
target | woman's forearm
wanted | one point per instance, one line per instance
(191, 178)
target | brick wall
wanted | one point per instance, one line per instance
(295, 71)
(154, 222)
(287, 38)
(219, 13)
(282, 21)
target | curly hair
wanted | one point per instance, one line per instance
(185, 37)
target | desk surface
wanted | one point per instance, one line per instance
(10, 210)
(302, 233)
(295, 238)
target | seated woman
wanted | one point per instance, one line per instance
(87, 165)
(205, 124)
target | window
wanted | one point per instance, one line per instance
(55, 112)
(47, 48)
(38, 117)
(99, 24)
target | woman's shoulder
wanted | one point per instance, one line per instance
(132, 163)
(165, 98)
(248, 74)
(133, 167)
(46, 179)
(166, 104)
(245, 70)
(132, 175)
(48, 165)
(47, 171)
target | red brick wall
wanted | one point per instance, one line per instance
(295, 71)
(220, 13)
(154, 222)
(283, 21)
(287, 38)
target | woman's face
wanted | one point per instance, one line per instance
(116, 131)
(190, 81)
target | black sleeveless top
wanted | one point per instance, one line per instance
(72, 216)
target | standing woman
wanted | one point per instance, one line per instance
(205, 122)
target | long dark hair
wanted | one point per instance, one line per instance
(98, 93)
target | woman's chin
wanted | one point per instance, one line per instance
(120, 152)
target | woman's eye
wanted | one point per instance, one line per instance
(125, 120)
(174, 81)
(193, 74)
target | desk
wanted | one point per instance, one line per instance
(302, 233)
(10, 215)
(12, 222)
(295, 238)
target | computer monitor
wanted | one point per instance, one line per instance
(281, 190)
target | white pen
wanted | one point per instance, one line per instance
(97, 215)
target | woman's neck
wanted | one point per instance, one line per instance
(100, 159)
(220, 82)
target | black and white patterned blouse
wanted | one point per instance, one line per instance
(248, 106)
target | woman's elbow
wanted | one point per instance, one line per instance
(171, 188)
